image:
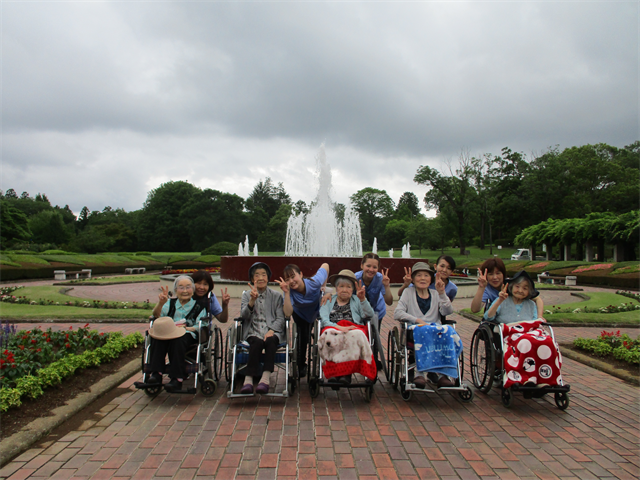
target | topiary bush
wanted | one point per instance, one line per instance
(221, 248)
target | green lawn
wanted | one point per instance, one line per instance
(35, 312)
(112, 280)
(597, 300)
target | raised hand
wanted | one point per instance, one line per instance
(360, 291)
(226, 298)
(284, 286)
(254, 291)
(439, 284)
(482, 278)
(164, 295)
(385, 278)
(406, 280)
(503, 292)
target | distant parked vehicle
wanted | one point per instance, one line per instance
(524, 254)
(521, 254)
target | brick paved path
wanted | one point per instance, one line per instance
(338, 435)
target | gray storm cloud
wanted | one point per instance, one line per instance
(222, 94)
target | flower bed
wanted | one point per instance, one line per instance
(621, 347)
(33, 360)
(634, 295)
(589, 268)
(7, 298)
(190, 270)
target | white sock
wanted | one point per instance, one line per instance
(248, 380)
(265, 377)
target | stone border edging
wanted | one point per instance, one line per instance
(20, 441)
(598, 365)
(566, 324)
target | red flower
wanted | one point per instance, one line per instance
(71, 327)
(39, 350)
(68, 346)
(21, 347)
(86, 325)
(34, 341)
(101, 334)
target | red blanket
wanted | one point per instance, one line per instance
(530, 355)
(351, 342)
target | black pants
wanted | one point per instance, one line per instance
(304, 330)
(176, 349)
(256, 345)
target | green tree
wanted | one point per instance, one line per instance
(14, 224)
(213, 216)
(48, 227)
(395, 233)
(161, 226)
(374, 207)
(418, 232)
(275, 235)
(408, 206)
(11, 193)
(455, 191)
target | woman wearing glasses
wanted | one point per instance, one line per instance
(185, 312)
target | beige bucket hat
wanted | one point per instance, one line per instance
(164, 328)
(348, 274)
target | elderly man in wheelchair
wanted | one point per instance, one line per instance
(178, 326)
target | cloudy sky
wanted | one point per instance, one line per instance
(102, 101)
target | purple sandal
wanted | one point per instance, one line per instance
(262, 388)
(246, 389)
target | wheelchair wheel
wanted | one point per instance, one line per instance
(406, 394)
(291, 385)
(153, 391)
(466, 395)
(227, 361)
(218, 355)
(208, 387)
(391, 356)
(482, 359)
(368, 393)
(507, 397)
(562, 400)
(314, 387)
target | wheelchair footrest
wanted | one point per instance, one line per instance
(144, 386)
(191, 391)
(545, 389)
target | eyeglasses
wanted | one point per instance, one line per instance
(181, 288)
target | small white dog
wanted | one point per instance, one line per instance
(338, 346)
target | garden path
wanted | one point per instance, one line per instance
(338, 435)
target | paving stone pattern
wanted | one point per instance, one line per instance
(338, 435)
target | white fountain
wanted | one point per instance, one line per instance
(391, 253)
(319, 233)
(374, 249)
(255, 249)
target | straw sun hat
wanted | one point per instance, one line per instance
(165, 329)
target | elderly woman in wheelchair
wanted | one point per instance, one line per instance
(343, 336)
(421, 306)
(514, 339)
(263, 327)
(174, 331)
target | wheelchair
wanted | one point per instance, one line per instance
(204, 361)
(237, 356)
(316, 378)
(487, 367)
(401, 366)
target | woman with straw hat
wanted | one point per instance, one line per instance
(174, 332)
